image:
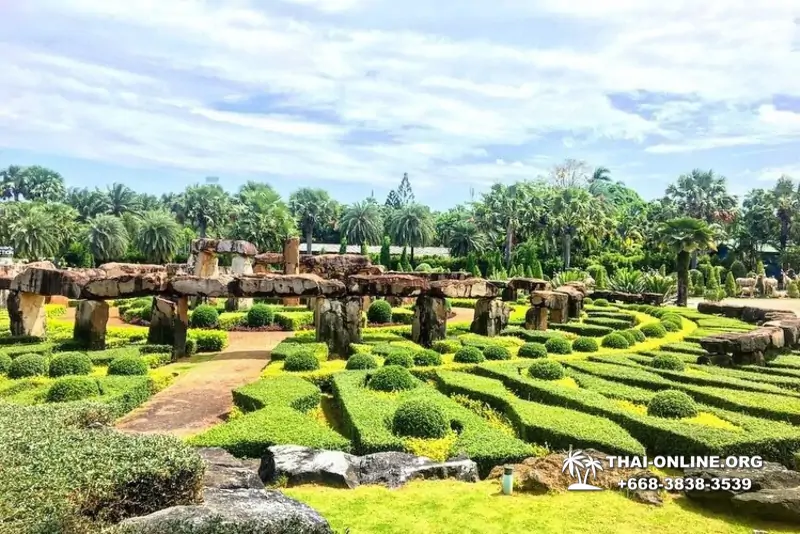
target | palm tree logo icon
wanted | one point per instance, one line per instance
(577, 462)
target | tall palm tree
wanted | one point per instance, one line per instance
(412, 225)
(262, 217)
(35, 183)
(786, 202)
(703, 195)
(505, 208)
(158, 236)
(206, 207)
(33, 237)
(684, 236)
(106, 238)
(311, 207)
(362, 223)
(465, 238)
(12, 182)
(122, 199)
(599, 181)
(574, 213)
(88, 202)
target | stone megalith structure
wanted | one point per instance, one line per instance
(338, 323)
(491, 317)
(91, 318)
(546, 304)
(430, 320)
(291, 264)
(240, 265)
(169, 323)
(574, 300)
(27, 314)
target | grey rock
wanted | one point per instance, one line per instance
(302, 465)
(781, 504)
(771, 476)
(224, 471)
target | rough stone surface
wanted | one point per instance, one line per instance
(771, 476)
(224, 471)
(774, 504)
(337, 266)
(161, 322)
(469, 288)
(268, 258)
(430, 321)
(206, 264)
(91, 318)
(224, 246)
(291, 264)
(388, 285)
(745, 348)
(239, 266)
(26, 314)
(491, 317)
(338, 323)
(536, 318)
(528, 284)
(574, 300)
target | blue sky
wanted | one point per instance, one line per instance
(350, 94)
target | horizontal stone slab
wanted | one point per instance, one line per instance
(269, 258)
(224, 246)
(387, 285)
(469, 288)
(338, 266)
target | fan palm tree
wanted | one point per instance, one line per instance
(599, 181)
(465, 238)
(574, 213)
(362, 223)
(33, 237)
(206, 207)
(786, 202)
(504, 209)
(684, 236)
(122, 199)
(703, 195)
(412, 225)
(106, 238)
(262, 217)
(158, 236)
(311, 207)
(12, 182)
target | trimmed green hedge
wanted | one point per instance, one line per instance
(402, 316)
(294, 320)
(616, 324)
(70, 364)
(558, 345)
(582, 329)
(209, 340)
(446, 346)
(288, 347)
(531, 336)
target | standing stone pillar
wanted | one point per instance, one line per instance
(291, 265)
(27, 314)
(169, 322)
(430, 320)
(574, 301)
(206, 265)
(536, 318)
(240, 265)
(338, 323)
(491, 317)
(3, 298)
(180, 328)
(91, 318)
(543, 301)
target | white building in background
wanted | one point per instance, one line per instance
(6, 255)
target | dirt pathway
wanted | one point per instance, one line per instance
(113, 317)
(201, 398)
(462, 314)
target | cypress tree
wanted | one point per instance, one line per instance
(343, 245)
(364, 249)
(536, 270)
(730, 285)
(386, 256)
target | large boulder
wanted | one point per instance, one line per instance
(491, 317)
(338, 323)
(468, 288)
(430, 321)
(338, 266)
(224, 246)
(781, 504)
(393, 469)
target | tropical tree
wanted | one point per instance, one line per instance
(576, 214)
(786, 202)
(504, 209)
(362, 223)
(703, 195)
(88, 202)
(12, 182)
(32, 235)
(206, 207)
(599, 181)
(311, 207)
(412, 225)
(158, 237)
(262, 218)
(122, 199)
(465, 239)
(684, 236)
(35, 183)
(106, 238)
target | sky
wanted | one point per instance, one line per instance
(348, 95)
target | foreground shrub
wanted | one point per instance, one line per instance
(427, 358)
(637, 334)
(380, 311)
(654, 330)
(361, 361)
(420, 419)
(446, 346)
(496, 352)
(672, 404)
(546, 370)
(399, 356)
(5, 363)
(532, 350)
(558, 345)
(615, 341)
(294, 320)
(260, 315)
(392, 378)
(469, 355)
(28, 365)
(669, 326)
(629, 336)
(156, 349)
(210, 340)
(74, 363)
(205, 316)
(72, 388)
(301, 360)
(672, 318)
(128, 366)
(585, 344)
(670, 362)
(603, 303)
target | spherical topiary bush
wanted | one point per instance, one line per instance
(128, 365)
(70, 364)
(588, 301)
(392, 378)
(420, 419)
(427, 358)
(585, 344)
(654, 330)
(205, 316)
(603, 303)
(302, 360)
(72, 388)
(672, 318)
(380, 311)
(672, 404)
(615, 341)
(532, 350)
(469, 355)
(629, 336)
(637, 334)
(496, 352)
(5, 363)
(382, 349)
(361, 361)
(423, 268)
(670, 362)
(558, 345)
(399, 356)
(28, 365)
(260, 315)
(446, 346)
(669, 326)
(546, 370)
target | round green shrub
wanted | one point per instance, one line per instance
(532, 350)
(637, 334)
(382, 349)
(588, 301)
(128, 365)
(302, 360)
(28, 365)
(546, 369)
(191, 346)
(615, 341)
(446, 346)
(427, 358)
(669, 326)
(423, 268)
(380, 311)
(5, 363)
(260, 315)
(205, 316)
(585, 344)
(399, 356)
(628, 335)
(361, 361)
(558, 345)
(74, 363)
(72, 388)
(655, 330)
(469, 355)
(673, 318)
(420, 419)
(672, 404)
(670, 362)
(392, 378)
(496, 352)
(603, 303)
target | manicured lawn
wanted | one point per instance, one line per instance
(448, 507)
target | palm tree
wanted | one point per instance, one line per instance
(122, 199)
(206, 206)
(106, 238)
(684, 236)
(703, 195)
(575, 213)
(465, 238)
(599, 181)
(786, 202)
(362, 223)
(12, 182)
(158, 236)
(33, 237)
(88, 202)
(262, 217)
(412, 225)
(35, 183)
(505, 208)
(311, 207)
